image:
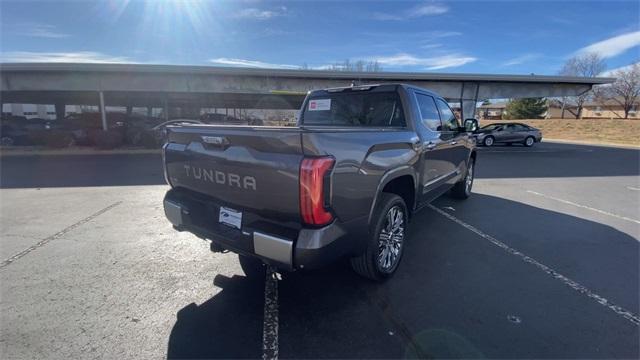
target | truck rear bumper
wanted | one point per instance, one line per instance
(310, 248)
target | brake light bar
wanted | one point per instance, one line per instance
(312, 190)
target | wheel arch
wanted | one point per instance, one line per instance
(400, 181)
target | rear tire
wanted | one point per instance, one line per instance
(252, 267)
(387, 235)
(488, 141)
(462, 189)
(529, 141)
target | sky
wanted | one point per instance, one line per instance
(506, 37)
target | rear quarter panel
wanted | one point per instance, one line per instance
(363, 157)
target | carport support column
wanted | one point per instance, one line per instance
(60, 110)
(165, 108)
(103, 112)
(468, 100)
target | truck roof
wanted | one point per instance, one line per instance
(373, 87)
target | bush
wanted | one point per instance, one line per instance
(38, 137)
(133, 136)
(107, 139)
(150, 140)
(57, 139)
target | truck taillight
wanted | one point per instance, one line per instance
(313, 178)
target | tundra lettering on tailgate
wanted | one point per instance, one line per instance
(219, 177)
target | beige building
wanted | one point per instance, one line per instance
(491, 111)
(608, 109)
(597, 109)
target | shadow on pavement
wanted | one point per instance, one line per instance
(32, 171)
(455, 296)
(556, 160)
(543, 160)
(229, 325)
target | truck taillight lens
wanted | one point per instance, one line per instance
(314, 183)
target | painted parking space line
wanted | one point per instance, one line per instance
(60, 233)
(633, 188)
(583, 206)
(549, 271)
(518, 151)
(270, 320)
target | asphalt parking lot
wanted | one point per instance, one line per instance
(541, 262)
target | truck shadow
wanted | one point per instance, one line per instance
(229, 325)
(456, 295)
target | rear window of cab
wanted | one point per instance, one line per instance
(362, 109)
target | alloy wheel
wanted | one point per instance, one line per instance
(468, 183)
(390, 240)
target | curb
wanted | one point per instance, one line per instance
(590, 143)
(72, 151)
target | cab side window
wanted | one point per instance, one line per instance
(449, 120)
(428, 112)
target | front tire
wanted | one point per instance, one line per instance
(489, 141)
(529, 141)
(387, 236)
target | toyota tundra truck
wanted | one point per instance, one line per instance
(343, 183)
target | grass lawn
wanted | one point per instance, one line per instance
(614, 131)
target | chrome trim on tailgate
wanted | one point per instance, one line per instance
(173, 212)
(273, 248)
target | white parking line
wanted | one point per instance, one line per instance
(57, 235)
(572, 284)
(270, 321)
(633, 188)
(583, 206)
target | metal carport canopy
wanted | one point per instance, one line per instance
(206, 86)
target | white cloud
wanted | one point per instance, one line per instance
(62, 57)
(431, 46)
(251, 63)
(430, 9)
(40, 30)
(385, 17)
(259, 14)
(415, 12)
(430, 63)
(613, 72)
(613, 46)
(521, 59)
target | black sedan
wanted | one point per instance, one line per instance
(508, 133)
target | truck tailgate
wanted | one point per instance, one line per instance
(245, 168)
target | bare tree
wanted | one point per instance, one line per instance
(358, 66)
(586, 65)
(625, 91)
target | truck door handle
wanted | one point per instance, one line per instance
(453, 142)
(430, 145)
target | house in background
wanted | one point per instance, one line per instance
(492, 111)
(608, 109)
(595, 109)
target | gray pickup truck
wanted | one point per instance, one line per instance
(344, 182)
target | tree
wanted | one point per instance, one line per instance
(348, 65)
(529, 108)
(625, 91)
(358, 66)
(585, 65)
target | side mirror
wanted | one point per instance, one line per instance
(471, 125)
